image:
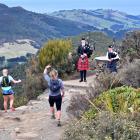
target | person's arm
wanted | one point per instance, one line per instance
(62, 89)
(14, 81)
(45, 73)
(63, 92)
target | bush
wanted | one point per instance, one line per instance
(131, 46)
(130, 74)
(105, 127)
(118, 100)
(55, 52)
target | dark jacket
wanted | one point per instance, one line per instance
(87, 50)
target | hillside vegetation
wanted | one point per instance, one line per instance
(100, 18)
(17, 49)
(18, 23)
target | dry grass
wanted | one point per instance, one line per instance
(13, 50)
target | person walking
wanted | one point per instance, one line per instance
(6, 81)
(56, 92)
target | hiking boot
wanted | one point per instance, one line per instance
(59, 124)
(53, 116)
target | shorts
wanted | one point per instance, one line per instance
(57, 100)
(7, 92)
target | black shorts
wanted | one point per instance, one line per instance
(57, 100)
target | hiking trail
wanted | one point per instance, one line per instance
(33, 121)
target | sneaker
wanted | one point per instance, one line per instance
(53, 117)
(59, 124)
(81, 81)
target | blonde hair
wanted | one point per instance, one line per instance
(53, 74)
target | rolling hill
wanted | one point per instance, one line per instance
(18, 23)
(111, 19)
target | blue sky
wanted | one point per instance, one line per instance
(46, 6)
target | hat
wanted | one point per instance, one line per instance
(83, 38)
(110, 46)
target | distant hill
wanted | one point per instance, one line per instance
(18, 23)
(111, 19)
(17, 49)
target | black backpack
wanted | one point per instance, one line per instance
(5, 81)
(55, 85)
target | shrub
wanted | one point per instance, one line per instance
(131, 46)
(130, 74)
(55, 52)
(105, 126)
(120, 99)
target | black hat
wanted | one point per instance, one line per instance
(83, 38)
(110, 46)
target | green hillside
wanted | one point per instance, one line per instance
(18, 23)
(111, 19)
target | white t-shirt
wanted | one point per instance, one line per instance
(10, 80)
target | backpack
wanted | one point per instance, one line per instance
(55, 85)
(5, 81)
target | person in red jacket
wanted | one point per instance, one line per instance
(83, 63)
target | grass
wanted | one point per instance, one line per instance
(13, 50)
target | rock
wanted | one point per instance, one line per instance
(27, 135)
(22, 108)
(17, 130)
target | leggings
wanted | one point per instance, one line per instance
(57, 100)
(83, 74)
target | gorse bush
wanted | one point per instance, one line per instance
(55, 53)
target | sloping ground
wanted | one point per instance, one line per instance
(32, 122)
(17, 49)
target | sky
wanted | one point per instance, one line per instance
(47, 6)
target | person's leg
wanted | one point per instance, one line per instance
(58, 107)
(12, 102)
(85, 75)
(51, 102)
(81, 75)
(114, 66)
(5, 97)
